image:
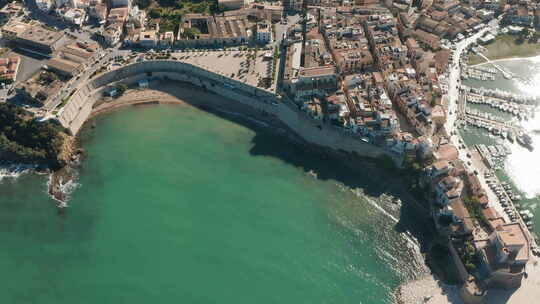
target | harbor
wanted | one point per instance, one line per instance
(479, 73)
(501, 115)
(497, 128)
(518, 106)
(521, 111)
(501, 194)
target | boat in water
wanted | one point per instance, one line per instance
(511, 136)
(525, 140)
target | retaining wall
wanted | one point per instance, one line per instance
(80, 105)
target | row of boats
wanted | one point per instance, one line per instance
(477, 75)
(513, 134)
(506, 197)
(494, 156)
(498, 93)
(522, 112)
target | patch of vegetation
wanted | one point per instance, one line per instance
(475, 210)
(121, 88)
(46, 77)
(6, 80)
(142, 4)
(468, 256)
(191, 33)
(24, 139)
(170, 12)
(510, 46)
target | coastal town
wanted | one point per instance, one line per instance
(378, 76)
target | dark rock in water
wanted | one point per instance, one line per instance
(93, 125)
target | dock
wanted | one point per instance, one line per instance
(506, 199)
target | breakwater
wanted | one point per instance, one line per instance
(80, 105)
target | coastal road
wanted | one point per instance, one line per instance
(77, 80)
(454, 77)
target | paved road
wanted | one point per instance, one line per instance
(30, 64)
(454, 77)
(76, 81)
(280, 29)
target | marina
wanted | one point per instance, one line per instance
(521, 111)
(501, 94)
(493, 156)
(510, 203)
(479, 73)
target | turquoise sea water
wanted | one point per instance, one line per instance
(178, 205)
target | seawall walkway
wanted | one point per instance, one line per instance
(80, 106)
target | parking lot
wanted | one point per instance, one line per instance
(232, 64)
(30, 63)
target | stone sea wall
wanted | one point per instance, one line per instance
(81, 103)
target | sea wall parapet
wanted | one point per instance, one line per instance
(80, 105)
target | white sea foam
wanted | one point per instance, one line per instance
(67, 188)
(359, 193)
(412, 242)
(14, 170)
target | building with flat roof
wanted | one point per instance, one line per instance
(148, 39)
(40, 40)
(45, 5)
(264, 32)
(73, 58)
(118, 15)
(13, 29)
(204, 30)
(9, 68)
(111, 35)
(11, 8)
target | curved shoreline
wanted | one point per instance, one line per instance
(505, 59)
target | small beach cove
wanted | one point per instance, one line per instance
(176, 203)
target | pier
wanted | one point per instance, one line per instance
(506, 74)
(501, 94)
(479, 73)
(504, 199)
(518, 110)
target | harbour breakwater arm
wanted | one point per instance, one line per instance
(80, 106)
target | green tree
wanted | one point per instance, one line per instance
(122, 88)
(143, 3)
(191, 32)
(155, 13)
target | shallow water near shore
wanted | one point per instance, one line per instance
(178, 204)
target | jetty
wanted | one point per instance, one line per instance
(501, 94)
(521, 111)
(479, 73)
(506, 74)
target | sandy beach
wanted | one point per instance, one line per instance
(136, 96)
(174, 92)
